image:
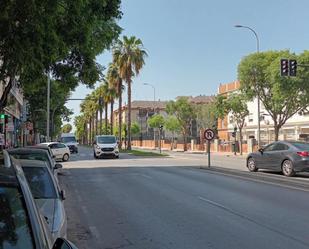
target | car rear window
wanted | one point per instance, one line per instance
(33, 156)
(15, 229)
(40, 182)
(302, 146)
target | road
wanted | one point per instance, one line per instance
(152, 203)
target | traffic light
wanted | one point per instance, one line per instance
(234, 134)
(292, 67)
(161, 127)
(284, 67)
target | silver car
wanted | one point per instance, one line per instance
(47, 195)
(288, 157)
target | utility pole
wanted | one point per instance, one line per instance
(48, 107)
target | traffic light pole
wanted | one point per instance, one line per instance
(48, 107)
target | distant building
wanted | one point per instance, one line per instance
(141, 110)
(296, 128)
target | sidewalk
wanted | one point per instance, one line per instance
(197, 152)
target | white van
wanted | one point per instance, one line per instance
(69, 140)
(105, 145)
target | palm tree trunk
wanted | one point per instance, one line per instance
(97, 122)
(101, 120)
(93, 127)
(120, 115)
(85, 135)
(112, 117)
(106, 118)
(90, 131)
(129, 116)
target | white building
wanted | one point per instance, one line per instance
(296, 128)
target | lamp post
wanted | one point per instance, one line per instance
(258, 95)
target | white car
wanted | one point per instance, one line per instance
(60, 150)
(105, 145)
(47, 195)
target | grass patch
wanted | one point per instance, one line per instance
(143, 153)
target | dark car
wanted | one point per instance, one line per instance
(35, 154)
(21, 223)
(288, 157)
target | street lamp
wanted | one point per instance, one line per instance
(258, 95)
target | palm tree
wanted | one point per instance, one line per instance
(115, 82)
(116, 88)
(129, 55)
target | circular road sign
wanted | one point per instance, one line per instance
(209, 134)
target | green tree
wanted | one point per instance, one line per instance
(60, 37)
(237, 106)
(135, 128)
(67, 128)
(172, 124)
(206, 115)
(282, 97)
(155, 121)
(129, 55)
(183, 110)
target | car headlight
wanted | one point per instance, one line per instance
(98, 147)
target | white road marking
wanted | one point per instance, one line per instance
(94, 231)
(213, 203)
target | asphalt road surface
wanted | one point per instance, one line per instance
(154, 203)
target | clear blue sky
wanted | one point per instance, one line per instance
(193, 46)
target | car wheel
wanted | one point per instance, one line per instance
(65, 157)
(117, 156)
(251, 164)
(287, 168)
(95, 156)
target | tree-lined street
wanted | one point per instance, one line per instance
(139, 202)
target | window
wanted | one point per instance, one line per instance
(301, 146)
(68, 139)
(106, 140)
(270, 147)
(40, 182)
(60, 146)
(15, 229)
(280, 146)
(53, 146)
(35, 156)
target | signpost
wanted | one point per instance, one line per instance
(209, 135)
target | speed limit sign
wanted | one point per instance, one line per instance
(209, 134)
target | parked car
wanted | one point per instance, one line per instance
(60, 150)
(22, 224)
(36, 154)
(69, 140)
(105, 145)
(47, 195)
(43, 147)
(286, 156)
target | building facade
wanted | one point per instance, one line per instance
(296, 128)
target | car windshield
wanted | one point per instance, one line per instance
(40, 182)
(301, 146)
(33, 156)
(15, 229)
(68, 139)
(106, 140)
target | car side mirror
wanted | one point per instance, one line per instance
(62, 243)
(62, 195)
(261, 150)
(58, 166)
